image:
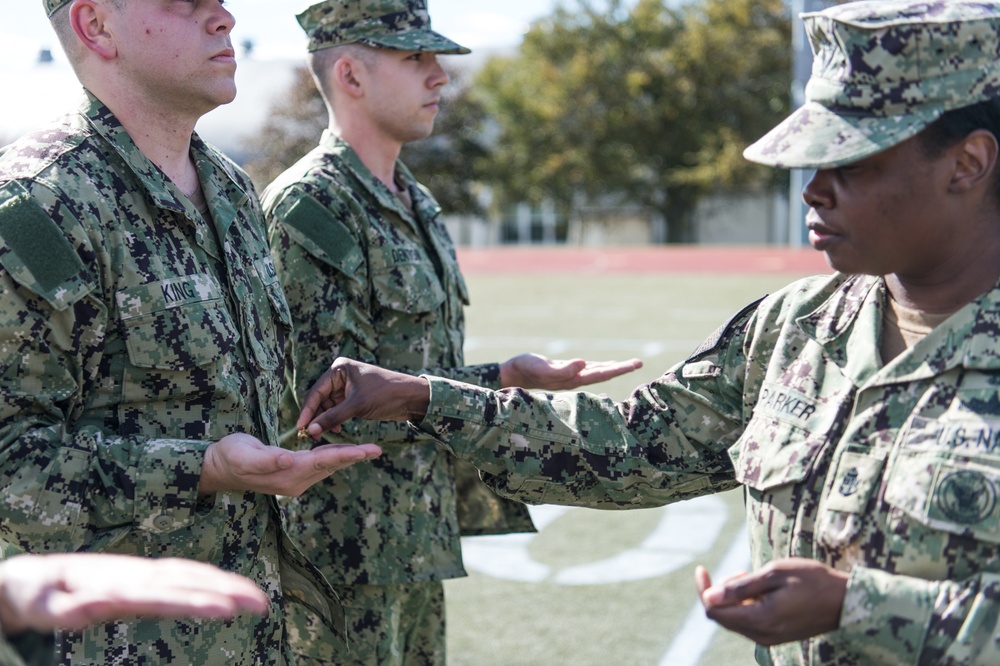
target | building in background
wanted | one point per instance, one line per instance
(47, 88)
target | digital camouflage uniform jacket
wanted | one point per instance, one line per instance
(369, 279)
(132, 335)
(891, 473)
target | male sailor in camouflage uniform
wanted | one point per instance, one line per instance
(141, 337)
(859, 411)
(370, 273)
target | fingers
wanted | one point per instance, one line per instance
(78, 590)
(263, 461)
(702, 580)
(328, 421)
(311, 466)
(318, 398)
(78, 611)
(628, 366)
(611, 369)
(600, 371)
(740, 589)
(333, 457)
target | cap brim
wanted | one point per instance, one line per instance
(814, 137)
(417, 40)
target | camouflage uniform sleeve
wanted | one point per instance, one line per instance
(68, 482)
(666, 443)
(889, 618)
(486, 375)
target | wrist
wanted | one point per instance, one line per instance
(508, 374)
(418, 400)
(206, 481)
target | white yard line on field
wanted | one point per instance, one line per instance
(695, 635)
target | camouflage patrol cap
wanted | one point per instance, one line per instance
(403, 25)
(882, 71)
(52, 6)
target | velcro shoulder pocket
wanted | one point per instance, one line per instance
(321, 234)
(36, 252)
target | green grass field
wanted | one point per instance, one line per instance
(601, 587)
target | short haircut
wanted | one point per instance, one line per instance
(955, 125)
(322, 61)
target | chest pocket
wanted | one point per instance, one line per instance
(177, 323)
(772, 453)
(403, 279)
(782, 440)
(946, 477)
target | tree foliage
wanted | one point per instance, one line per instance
(642, 101)
(634, 100)
(292, 129)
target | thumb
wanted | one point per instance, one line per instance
(702, 579)
(264, 460)
(569, 368)
(330, 420)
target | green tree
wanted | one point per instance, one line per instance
(642, 101)
(292, 129)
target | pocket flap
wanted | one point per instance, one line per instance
(408, 286)
(949, 493)
(773, 453)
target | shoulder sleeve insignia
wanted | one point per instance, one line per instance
(313, 226)
(35, 251)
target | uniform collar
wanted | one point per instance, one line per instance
(846, 322)
(161, 191)
(425, 206)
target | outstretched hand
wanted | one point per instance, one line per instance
(241, 462)
(532, 371)
(74, 591)
(787, 600)
(352, 389)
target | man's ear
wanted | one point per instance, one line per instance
(348, 77)
(88, 20)
(975, 161)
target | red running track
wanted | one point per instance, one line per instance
(659, 259)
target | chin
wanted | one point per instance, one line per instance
(422, 133)
(222, 97)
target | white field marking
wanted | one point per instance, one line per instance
(693, 638)
(685, 531)
(557, 346)
(566, 310)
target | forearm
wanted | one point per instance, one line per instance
(575, 448)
